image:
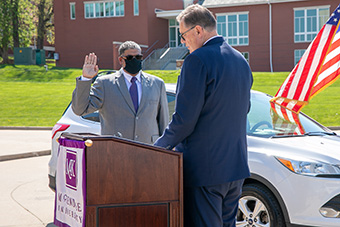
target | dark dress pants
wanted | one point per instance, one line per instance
(212, 206)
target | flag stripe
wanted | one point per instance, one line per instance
(335, 43)
(281, 91)
(328, 72)
(326, 82)
(329, 64)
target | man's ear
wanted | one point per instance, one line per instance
(121, 61)
(199, 30)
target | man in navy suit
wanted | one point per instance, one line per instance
(209, 123)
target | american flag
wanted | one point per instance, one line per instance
(285, 122)
(317, 68)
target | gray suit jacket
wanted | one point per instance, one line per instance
(109, 94)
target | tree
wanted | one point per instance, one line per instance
(16, 25)
(5, 29)
(21, 21)
(45, 24)
(15, 22)
(25, 26)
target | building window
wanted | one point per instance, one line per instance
(187, 3)
(308, 22)
(99, 9)
(246, 55)
(234, 28)
(104, 9)
(174, 38)
(73, 10)
(120, 8)
(297, 55)
(136, 7)
(89, 10)
(109, 9)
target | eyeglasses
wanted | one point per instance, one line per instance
(182, 34)
(130, 57)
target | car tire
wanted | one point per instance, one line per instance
(259, 207)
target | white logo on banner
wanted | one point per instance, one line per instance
(70, 168)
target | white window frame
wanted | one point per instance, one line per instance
(305, 33)
(93, 11)
(187, 3)
(104, 4)
(72, 7)
(116, 2)
(178, 39)
(238, 36)
(99, 9)
(113, 10)
(136, 7)
(298, 53)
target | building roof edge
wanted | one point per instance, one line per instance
(217, 5)
(166, 14)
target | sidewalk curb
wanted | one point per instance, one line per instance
(28, 153)
(24, 155)
(25, 128)
(50, 128)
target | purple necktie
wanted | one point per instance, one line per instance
(134, 93)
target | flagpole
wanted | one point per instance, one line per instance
(270, 38)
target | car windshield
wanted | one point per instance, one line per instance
(263, 119)
(266, 120)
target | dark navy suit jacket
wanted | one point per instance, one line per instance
(209, 123)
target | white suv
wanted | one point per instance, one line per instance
(295, 177)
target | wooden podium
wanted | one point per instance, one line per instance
(131, 184)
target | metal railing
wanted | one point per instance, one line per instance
(161, 58)
(150, 48)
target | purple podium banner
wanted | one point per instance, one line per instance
(70, 193)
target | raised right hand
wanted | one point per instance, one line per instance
(90, 67)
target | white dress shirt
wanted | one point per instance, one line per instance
(128, 78)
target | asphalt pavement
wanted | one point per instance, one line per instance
(25, 198)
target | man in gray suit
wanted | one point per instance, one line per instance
(132, 104)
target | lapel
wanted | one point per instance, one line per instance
(145, 91)
(124, 91)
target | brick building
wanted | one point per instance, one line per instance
(99, 26)
(271, 34)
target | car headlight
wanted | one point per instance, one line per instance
(309, 168)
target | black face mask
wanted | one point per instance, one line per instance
(133, 66)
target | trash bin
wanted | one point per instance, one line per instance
(24, 56)
(40, 57)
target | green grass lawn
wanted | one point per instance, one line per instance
(32, 96)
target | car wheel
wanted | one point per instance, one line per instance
(258, 207)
